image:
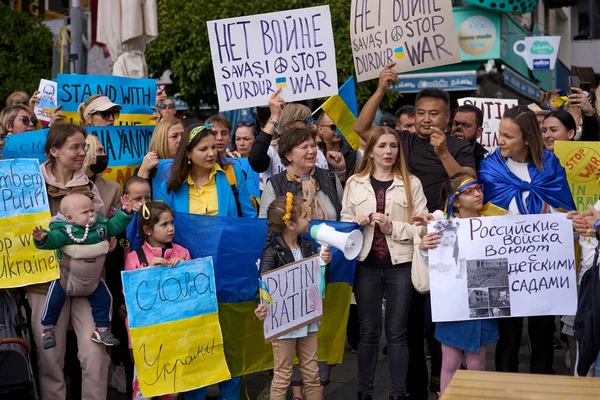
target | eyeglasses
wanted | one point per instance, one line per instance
(27, 121)
(332, 126)
(459, 123)
(470, 191)
(107, 114)
(307, 121)
(77, 149)
(169, 106)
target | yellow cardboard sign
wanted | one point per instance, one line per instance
(21, 264)
(580, 160)
(179, 356)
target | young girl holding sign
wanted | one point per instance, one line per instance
(463, 197)
(287, 218)
(157, 231)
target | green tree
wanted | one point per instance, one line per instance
(183, 47)
(25, 51)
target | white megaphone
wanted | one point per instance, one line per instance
(349, 243)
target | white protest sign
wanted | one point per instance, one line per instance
(509, 266)
(45, 106)
(413, 34)
(254, 55)
(296, 292)
(493, 109)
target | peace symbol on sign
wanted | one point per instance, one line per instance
(397, 33)
(280, 65)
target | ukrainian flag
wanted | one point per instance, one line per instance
(236, 245)
(263, 290)
(343, 111)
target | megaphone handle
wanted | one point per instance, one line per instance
(323, 269)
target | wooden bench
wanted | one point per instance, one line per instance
(483, 385)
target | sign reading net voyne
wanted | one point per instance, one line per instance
(254, 55)
(413, 34)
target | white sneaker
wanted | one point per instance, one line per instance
(118, 380)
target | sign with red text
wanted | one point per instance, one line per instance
(413, 34)
(580, 160)
(256, 54)
(296, 293)
(508, 266)
(493, 109)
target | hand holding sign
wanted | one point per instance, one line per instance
(56, 116)
(276, 104)
(387, 76)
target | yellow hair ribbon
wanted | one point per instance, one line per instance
(289, 199)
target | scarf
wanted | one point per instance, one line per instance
(549, 185)
(309, 187)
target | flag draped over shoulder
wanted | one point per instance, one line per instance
(549, 185)
(236, 245)
(343, 111)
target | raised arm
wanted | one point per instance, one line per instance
(365, 119)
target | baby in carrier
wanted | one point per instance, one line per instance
(81, 235)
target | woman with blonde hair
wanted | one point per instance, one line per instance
(98, 110)
(19, 97)
(165, 139)
(382, 196)
(18, 119)
(263, 156)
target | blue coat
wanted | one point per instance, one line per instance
(467, 335)
(179, 200)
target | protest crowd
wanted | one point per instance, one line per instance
(104, 219)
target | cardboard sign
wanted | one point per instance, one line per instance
(493, 109)
(47, 103)
(580, 160)
(174, 327)
(296, 292)
(539, 52)
(254, 55)
(135, 96)
(24, 205)
(125, 146)
(414, 35)
(509, 266)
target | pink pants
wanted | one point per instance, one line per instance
(452, 359)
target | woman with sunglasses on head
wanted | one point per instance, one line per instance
(66, 150)
(520, 177)
(244, 137)
(263, 156)
(98, 110)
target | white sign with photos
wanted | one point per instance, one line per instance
(508, 266)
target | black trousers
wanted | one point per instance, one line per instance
(540, 331)
(417, 379)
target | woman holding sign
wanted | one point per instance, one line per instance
(98, 110)
(520, 177)
(382, 196)
(66, 150)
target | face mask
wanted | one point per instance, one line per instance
(101, 164)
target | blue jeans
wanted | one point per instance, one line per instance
(229, 390)
(597, 367)
(370, 285)
(100, 301)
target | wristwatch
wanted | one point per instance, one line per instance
(273, 122)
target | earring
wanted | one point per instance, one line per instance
(189, 161)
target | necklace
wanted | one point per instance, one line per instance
(77, 240)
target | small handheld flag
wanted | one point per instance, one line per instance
(263, 291)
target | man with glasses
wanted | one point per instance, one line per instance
(468, 125)
(335, 147)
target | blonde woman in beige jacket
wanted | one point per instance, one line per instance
(382, 197)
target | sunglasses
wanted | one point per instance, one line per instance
(27, 121)
(332, 126)
(307, 121)
(470, 191)
(169, 106)
(107, 114)
(246, 123)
